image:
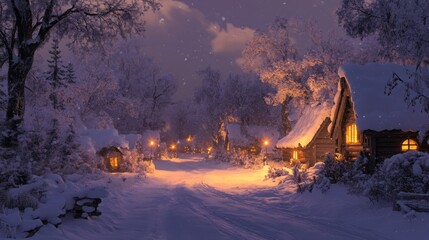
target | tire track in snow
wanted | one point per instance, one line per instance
(323, 228)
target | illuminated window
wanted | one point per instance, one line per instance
(352, 134)
(295, 155)
(409, 144)
(114, 162)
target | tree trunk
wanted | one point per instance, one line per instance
(17, 74)
(286, 124)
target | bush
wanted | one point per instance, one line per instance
(242, 159)
(356, 175)
(334, 168)
(408, 172)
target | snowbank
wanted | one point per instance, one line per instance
(374, 109)
(306, 126)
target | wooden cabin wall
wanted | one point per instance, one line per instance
(320, 145)
(385, 144)
(350, 151)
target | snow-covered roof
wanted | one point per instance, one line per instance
(306, 127)
(374, 109)
(240, 135)
(100, 138)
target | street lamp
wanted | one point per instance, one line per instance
(266, 143)
(152, 145)
(173, 149)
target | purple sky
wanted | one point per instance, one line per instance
(188, 35)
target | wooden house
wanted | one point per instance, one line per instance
(309, 140)
(362, 119)
(113, 159)
(366, 119)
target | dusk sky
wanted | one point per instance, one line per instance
(188, 35)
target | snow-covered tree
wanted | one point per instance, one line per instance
(25, 25)
(143, 81)
(55, 73)
(209, 97)
(70, 75)
(401, 29)
(273, 57)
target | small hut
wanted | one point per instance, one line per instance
(113, 158)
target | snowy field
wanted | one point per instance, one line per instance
(191, 198)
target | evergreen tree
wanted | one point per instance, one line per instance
(70, 151)
(52, 145)
(69, 77)
(56, 73)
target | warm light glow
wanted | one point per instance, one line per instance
(409, 144)
(189, 139)
(266, 142)
(173, 147)
(352, 134)
(152, 143)
(295, 155)
(114, 162)
(209, 149)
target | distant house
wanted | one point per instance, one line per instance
(309, 140)
(117, 151)
(366, 119)
(113, 159)
(362, 119)
(251, 138)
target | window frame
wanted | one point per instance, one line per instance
(353, 137)
(409, 145)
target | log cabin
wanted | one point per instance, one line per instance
(309, 140)
(365, 118)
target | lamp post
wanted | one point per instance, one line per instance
(151, 144)
(266, 143)
(173, 149)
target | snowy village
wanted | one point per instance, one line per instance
(226, 119)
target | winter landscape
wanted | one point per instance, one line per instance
(228, 119)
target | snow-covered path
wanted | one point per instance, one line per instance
(195, 199)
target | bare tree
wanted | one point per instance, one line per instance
(25, 25)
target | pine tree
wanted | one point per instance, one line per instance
(51, 145)
(70, 151)
(55, 74)
(69, 77)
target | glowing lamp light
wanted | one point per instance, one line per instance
(152, 143)
(266, 142)
(172, 147)
(189, 139)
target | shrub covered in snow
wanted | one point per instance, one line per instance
(335, 167)
(408, 172)
(242, 158)
(43, 201)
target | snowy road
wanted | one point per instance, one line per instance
(195, 199)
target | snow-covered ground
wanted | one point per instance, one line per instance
(191, 198)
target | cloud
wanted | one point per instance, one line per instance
(230, 40)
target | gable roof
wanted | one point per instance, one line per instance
(374, 109)
(306, 127)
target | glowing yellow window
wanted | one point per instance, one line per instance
(114, 162)
(295, 155)
(409, 144)
(352, 134)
